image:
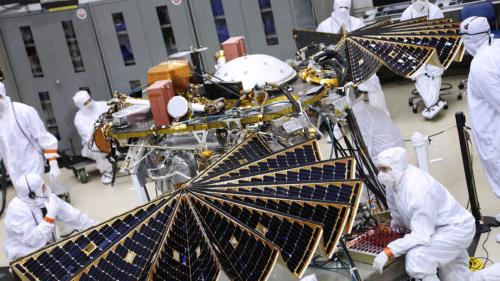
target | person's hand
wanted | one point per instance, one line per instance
(395, 223)
(379, 262)
(52, 207)
(54, 172)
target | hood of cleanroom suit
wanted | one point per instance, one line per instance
(397, 160)
(420, 8)
(32, 183)
(80, 98)
(340, 17)
(475, 32)
(341, 10)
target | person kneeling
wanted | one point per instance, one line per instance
(441, 229)
(30, 217)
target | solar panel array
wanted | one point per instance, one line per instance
(239, 216)
(404, 46)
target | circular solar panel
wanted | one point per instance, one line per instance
(238, 216)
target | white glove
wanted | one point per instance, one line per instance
(52, 206)
(379, 262)
(54, 172)
(394, 223)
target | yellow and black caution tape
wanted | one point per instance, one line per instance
(475, 264)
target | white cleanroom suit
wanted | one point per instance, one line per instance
(88, 113)
(341, 17)
(422, 8)
(24, 141)
(483, 96)
(377, 128)
(29, 222)
(428, 77)
(441, 229)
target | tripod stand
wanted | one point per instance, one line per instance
(483, 224)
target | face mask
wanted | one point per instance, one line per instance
(342, 14)
(89, 106)
(387, 179)
(472, 43)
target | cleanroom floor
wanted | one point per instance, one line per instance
(102, 202)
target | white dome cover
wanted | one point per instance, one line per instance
(254, 70)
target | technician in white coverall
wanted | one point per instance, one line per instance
(378, 130)
(441, 229)
(24, 141)
(30, 218)
(483, 96)
(428, 77)
(88, 113)
(341, 17)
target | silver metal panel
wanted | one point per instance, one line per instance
(119, 74)
(7, 72)
(59, 80)
(233, 11)
(302, 14)
(322, 9)
(287, 16)
(206, 30)
(181, 25)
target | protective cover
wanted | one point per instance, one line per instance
(255, 70)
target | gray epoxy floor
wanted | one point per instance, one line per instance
(102, 202)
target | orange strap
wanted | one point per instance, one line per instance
(388, 252)
(51, 159)
(49, 219)
(49, 151)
